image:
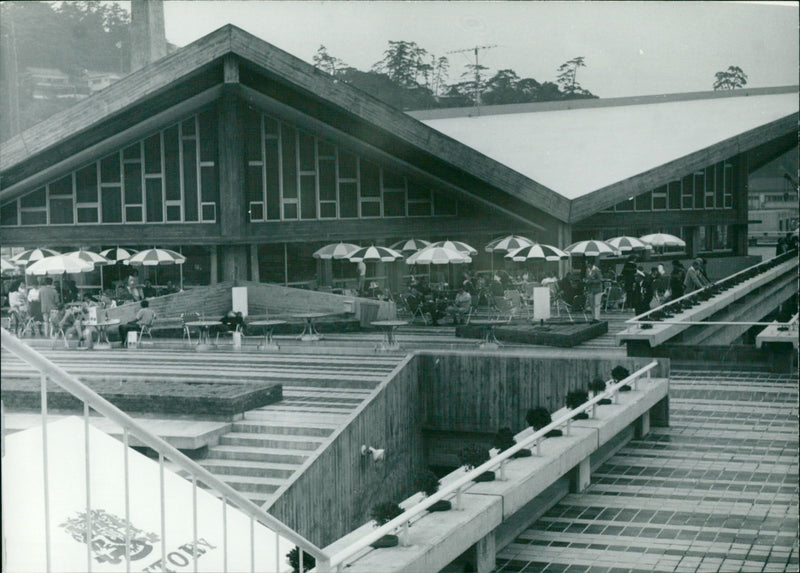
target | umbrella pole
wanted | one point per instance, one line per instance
(285, 265)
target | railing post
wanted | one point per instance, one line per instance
(569, 425)
(323, 566)
(538, 447)
(46, 472)
(458, 498)
(503, 470)
(404, 535)
(594, 410)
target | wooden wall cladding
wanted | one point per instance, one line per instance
(338, 488)
(482, 393)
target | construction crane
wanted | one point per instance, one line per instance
(477, 67)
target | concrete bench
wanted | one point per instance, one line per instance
(493, 513)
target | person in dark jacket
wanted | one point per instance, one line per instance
(637, 295)
(627, 275)
(676, 279)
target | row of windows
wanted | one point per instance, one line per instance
(709, 237)
(709, 188)
(293, 175)
(169, 177)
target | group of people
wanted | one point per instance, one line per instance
(788, 243)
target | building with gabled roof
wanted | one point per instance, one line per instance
(247, 159)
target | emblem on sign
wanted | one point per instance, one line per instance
(108, 533)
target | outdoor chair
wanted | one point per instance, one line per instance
(569, 308)
(187, 330)
(502, 309)
(415, 308)
(614, 298)
(518, 304)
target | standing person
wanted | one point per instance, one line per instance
(594, 288)
(676, 278)
(694, 279)
(49, 300)
(18, 306)
(362, 276)
(636, 300)
(627, 275)
(649, 288)
(35, 308)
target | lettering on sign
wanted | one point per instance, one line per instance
(108, 533)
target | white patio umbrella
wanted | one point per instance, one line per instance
(335, 251)
(58, 265)
(591, 248)
(627, 244)
(508, 243)
(537, 252)
(374, 254)
(410, 245)
(456, 246)
(32, 255)
(663, 240)
(6, 266)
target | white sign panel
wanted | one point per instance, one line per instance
(24, 511)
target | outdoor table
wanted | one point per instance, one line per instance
(269, 325)
(102, 332)
(389, 329)
(204, 328)
(309, 329)
(489, 339)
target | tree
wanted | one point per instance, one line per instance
(440, 69)
(327, 63)
(477, 84)
(401, 62)
(730, 79)
(503, 88)
(567, 76)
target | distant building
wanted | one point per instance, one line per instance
(47, 83)
(772, 199)
(95, 81)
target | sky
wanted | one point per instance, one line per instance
(630, 48)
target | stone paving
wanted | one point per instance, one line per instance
(716, 491)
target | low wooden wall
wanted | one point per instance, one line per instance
(482, 393)
(267, 298)
(334, 493)
(212, 301)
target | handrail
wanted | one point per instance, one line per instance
(107, 409)
(455, 487)
(769, 263)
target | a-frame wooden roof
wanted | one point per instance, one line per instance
(197, 74)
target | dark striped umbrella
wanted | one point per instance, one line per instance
(537, 252)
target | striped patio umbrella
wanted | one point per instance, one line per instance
(508, 244)
(32, 255)
(374, 254)
(433, 255)
(537, 252)
(336, 251)
(456, 246)
(118, 254)
(591, 249)
(410, 245)
(628, 244)
(89, 257)
(58, 265)
(155, 257)
(663, 240)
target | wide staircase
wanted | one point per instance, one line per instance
(260, 452)
(715, 491)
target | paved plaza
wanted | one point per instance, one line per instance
(716, 491)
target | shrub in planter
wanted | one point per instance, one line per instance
(620, 373)
(504, 439)
(293, 557)
(538, 418)
(598, 386)
(427, 482)
(383, 513)
(473, 456)
(576, 398)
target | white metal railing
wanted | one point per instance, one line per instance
(92, 401)
(642, 318)
(456, 488)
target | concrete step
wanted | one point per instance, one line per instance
(270, 414)
(283, 406)
(247, 426)
(249, 468)
(247, 484)
(257, 454)
(287, 442)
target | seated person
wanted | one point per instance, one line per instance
(435, 307)
(144, 317)
(148, 290)
(73, 321)
(133, 288)
(233, 322)
(497, 289)
(170, 288)
(460, 307)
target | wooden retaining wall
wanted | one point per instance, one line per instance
(482, 393)
(334, 493)
(212, 301)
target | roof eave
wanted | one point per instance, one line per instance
(607, 196)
